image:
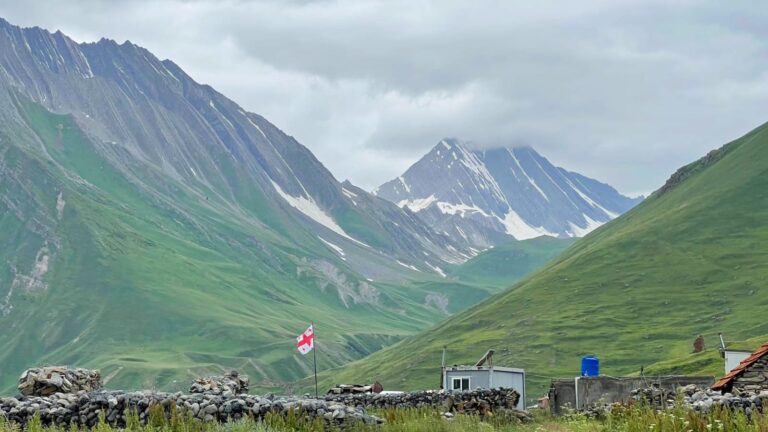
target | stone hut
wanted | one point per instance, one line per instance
(750, 376)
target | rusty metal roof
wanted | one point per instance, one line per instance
(738, 370)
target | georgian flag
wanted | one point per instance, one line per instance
(306, 341)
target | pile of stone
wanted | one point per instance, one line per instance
(654, 396)
(230, 384)
(478, 402)
(45, 381)
(702, 399)
(83, 408)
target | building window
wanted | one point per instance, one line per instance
(460, 384)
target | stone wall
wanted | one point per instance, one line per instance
(83, 408)
(479, 402)
(754, 379)
(586, 393)
(62, 396)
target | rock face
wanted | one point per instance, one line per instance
(151, 120)
(483, 197)
(45, 381)
(227, 385)
(479, 402)
(84, 408)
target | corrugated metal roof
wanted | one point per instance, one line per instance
(738, 370)
(484, 368)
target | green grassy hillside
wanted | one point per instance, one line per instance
(707, 362)
(507, 263)
(155, 284)
(689, 260)
(155, 288)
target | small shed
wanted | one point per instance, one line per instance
(481, 376)
(582, 393)
(733, 358)
(751, 375)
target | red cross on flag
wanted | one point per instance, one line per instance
(306, 341)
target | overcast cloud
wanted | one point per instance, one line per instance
(622, 91)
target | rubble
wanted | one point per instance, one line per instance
(227, 385)
(45, 381)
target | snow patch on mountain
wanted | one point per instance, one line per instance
(408, 266)
(405, 185)
(517, 228)
(436, 269)
(530, 180)
(348, 193)
(460, 209)
(586, 198)
(419, 204)
(335, 248)
(309, 208)
(578, 231)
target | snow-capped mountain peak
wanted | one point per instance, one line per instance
(482, 197)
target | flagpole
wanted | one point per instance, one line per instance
(314, 358)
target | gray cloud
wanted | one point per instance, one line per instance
(624, 91)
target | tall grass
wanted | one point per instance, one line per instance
(619, 419)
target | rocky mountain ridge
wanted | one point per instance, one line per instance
(484, 197)
(140, 207)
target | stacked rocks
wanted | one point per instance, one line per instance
(230, 384)
(653, 396)
(703, 399)
(356, 388)
(83, 408)
(754, 379)
(480, 402)
(45, 381)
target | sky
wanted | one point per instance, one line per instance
(624, 91)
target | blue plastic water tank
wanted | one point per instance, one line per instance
(590, 366)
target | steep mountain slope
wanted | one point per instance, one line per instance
(151, 227)
(689, 260)
(484, 197)
(510, 262)
(708, 362)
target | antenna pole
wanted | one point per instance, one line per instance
(442, 369)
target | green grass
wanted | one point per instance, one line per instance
(618, 419)
(508, 263)
(639, 290)
(707, 362)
